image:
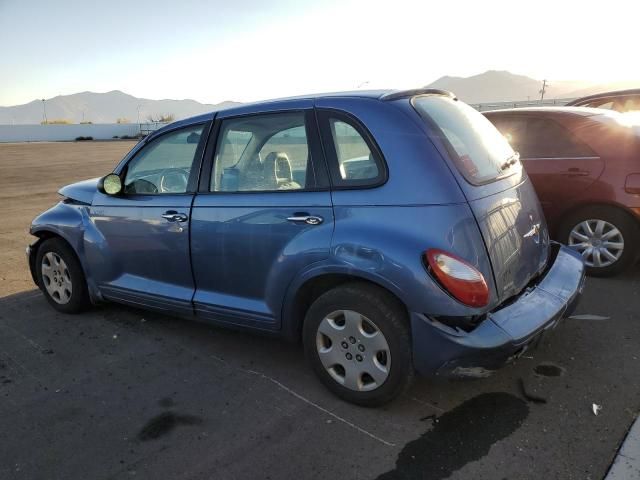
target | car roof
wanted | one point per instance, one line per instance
(613, 93)
(278, 103)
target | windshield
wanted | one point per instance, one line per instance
(478, 149)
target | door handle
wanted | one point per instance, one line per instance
(575, 172)
(173, 216)
(308, 219)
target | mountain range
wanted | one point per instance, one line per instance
(503, 86)
(103, 108)
(490, 86)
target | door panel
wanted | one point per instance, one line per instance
(138, 256)
(250, 232)
(138, 251)
(246, 252)
(559, 180)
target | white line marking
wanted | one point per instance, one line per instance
(313, 404)
(307, 401)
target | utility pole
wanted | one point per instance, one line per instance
(44, 111)
(543, 90)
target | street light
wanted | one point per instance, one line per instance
(139, 114)
(44, 111)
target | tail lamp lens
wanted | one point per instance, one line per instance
(462, 280)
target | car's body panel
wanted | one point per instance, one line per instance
(82, 192)
(245, 252)
(142, 257)
(515, 234)
(238, 259)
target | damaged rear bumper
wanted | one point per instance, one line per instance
(506, 332)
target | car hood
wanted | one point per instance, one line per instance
(81, 191)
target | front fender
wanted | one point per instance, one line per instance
(68, 221)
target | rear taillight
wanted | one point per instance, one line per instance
(462, 280)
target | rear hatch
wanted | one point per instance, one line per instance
(497, 188)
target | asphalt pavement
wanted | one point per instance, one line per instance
(123, 393)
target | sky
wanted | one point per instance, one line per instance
(248, 50)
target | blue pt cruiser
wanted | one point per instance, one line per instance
(388, 231)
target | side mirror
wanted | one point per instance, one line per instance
(110, 184)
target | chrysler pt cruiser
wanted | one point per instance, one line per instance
(389, 232)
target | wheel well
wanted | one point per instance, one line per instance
(315, 287)
(579, 208)
(43, 236)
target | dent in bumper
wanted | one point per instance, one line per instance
(507, 332)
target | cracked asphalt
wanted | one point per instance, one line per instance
(122, 393)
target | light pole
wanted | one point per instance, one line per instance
(139, 115)
(44, 110)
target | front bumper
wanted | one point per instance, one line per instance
(507, 331)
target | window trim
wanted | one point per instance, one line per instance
(325, 115)
(321, 177)
(196, 163)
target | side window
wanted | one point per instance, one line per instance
(263, 153)
(164, 165)
(548, 139)
(352, 160)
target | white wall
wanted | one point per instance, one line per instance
(52, 133)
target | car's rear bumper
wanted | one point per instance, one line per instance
(507, 331)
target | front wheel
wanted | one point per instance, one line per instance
(356, 338)
(605, 237)
(60, 277)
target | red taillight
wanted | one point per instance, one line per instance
(458, 277)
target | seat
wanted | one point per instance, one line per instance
(278, 173)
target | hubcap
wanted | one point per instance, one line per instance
(600, 243)
(56, 278)
(353, 350)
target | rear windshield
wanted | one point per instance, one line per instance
(478, 149)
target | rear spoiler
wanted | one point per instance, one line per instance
(416, 91)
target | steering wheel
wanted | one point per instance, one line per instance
(174, 180)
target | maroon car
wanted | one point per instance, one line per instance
(585, 166)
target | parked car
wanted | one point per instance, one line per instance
(386, 230)
(620, 100)
(584, 164)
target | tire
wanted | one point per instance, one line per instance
(628, 237)
(342, 328)
(58, 266)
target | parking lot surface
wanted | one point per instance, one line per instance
(123, 393)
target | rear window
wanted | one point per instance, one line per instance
(478, 149)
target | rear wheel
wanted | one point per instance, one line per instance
(605, 237)
(60, 276)
(356, 338)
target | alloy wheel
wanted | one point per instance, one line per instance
(353, 350)
(599, 242)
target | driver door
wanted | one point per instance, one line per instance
(140, 253)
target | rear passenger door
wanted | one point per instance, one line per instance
(262, 214)
(560, 166)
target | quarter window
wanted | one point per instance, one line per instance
(164, 165)
(353, 160)
(263, 153)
